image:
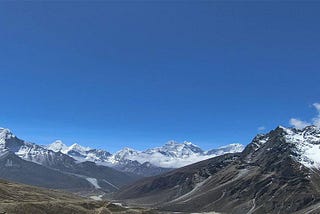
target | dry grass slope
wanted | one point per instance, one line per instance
(23, 199)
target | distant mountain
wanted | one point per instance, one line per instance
(104, 158)
(79, 152)
(30, 151)
(92, 168)
(231, 148)
(173, 154)
(33, 164)
(278, 172)
(149, 162)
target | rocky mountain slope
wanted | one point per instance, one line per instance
(33, 164)
(21, 199)
(278, 172)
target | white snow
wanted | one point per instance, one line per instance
(94, 182)
(78, 148)
(58, 146)
(5, 134)
(80, 153)
(173, 154)
(307, 145)
(170, 155)
(97, 197)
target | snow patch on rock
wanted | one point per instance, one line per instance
(307, 145)
(94, 182)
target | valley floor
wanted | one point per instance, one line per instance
(24, 199)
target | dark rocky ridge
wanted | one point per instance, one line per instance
(265, 178)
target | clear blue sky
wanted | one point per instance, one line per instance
(136, 74)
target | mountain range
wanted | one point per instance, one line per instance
(90, 171)
(278, 172)
(149, 162)
(33, 164)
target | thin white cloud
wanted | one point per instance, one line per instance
(261, 128)
(300, 124)
(317, 106)
(316, 120)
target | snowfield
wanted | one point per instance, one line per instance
(307, 143)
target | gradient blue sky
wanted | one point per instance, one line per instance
(138, 74)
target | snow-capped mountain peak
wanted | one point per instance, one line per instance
(125, 153)
(78, 148)
(57, 146)
(187, 143)
(172, 154)
(302, 144)
(4, 130)
(307, 145)
(5, 134)
(127, 150)
(177, 150)
(80, 153)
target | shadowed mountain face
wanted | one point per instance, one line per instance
(16, 169)
(32, 164)
(276, 173)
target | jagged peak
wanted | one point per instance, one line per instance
(78, 147)
(126, 150)
(304, 144)
(292, 130)
(6, 133)
(281, 127)
(57, 146)
(188, 143)
(4, 129)
(58, 142)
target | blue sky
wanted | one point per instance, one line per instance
(138, 74)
